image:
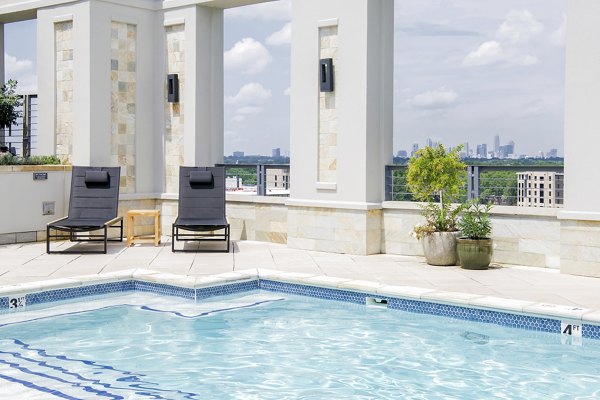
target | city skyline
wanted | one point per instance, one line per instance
(463, 71)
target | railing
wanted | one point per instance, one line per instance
(490, 183)
(258, 179)
(21, 139)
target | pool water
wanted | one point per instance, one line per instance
(263, 345)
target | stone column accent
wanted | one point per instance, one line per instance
(328, 127)
(123, 101)
(63, 43)
(174, 112)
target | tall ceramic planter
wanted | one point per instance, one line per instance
(474, 253)
(440, 248)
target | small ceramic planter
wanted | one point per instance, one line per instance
(474, 253)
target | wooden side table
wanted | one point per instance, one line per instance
(131, 238)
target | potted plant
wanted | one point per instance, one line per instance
(475, 246)
(436, 176)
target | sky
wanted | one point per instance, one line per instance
(464, 71)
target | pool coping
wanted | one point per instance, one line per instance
(509, 312)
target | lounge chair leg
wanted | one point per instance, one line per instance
(105, 239)
(173, 238)
(47, 239)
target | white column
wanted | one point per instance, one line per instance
(580, 219)
(204, 140)
(340, 143)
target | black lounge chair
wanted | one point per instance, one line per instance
(201, 207)
(93, 206)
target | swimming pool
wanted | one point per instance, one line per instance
(273, 345)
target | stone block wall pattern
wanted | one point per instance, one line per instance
(174, 112)
(63, 43)
(328, 126)
(334, 230)
(123, 101)
(580, 247)
(518, 239)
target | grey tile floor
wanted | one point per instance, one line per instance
(21, 263)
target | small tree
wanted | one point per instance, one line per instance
(434, 172)
(10, 102)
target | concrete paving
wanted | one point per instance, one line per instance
(22, 263)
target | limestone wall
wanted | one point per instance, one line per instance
(521, 236)
(63, 43)
(123, 102)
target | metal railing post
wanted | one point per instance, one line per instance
(261, 180)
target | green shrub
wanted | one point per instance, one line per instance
(9, 159)
(475, 222)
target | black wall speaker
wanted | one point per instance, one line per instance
(173, 88)
(326, 74)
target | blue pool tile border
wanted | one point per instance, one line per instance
(223, 290)
(164, 289)
(419, 306)
(49, 296)
(503, 318)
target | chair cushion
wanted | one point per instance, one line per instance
(96, 177)
(201, 177)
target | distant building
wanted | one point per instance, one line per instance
(496, 145)
(540, 189)
(402, 154)
(467, 150)
(238, 154)
(482, 150)
(278, 178)
(552, 153)
(276, 153)
(415, 148)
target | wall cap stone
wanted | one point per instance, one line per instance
(345, 205)
(33, 168)
(496, 210)
(579, 215)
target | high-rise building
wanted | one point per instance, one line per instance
(238, 154)
(276, 153)
(467, 150)
(482, 150)
(496, 145)
(552, 153)
(415, 148)
(540, 189)
(429, 142)
(402, 154)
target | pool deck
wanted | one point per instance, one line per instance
(25, 263)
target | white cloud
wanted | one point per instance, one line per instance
(247, 56)
(239, 118)
(287, 91)
(525, 60)
(272, 11)
(520, 26)
(487, 53)
(435, 99)
(250, 93)
(557, 37)
(22, 71)
(248, 110)
(281, 37)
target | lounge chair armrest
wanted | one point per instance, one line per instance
(57, 220)
(113, 221)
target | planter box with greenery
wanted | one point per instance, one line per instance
(435, 174)
(475, 246)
